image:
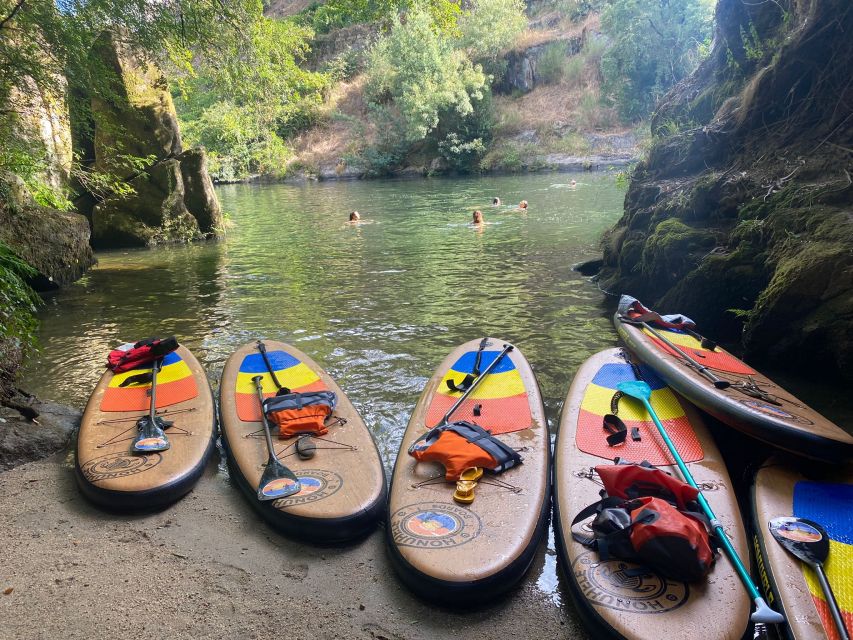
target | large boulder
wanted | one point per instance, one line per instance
(31, 429)
(742, 214)
(55, 243)
(132, 109)
(132, 114)
(158, 211)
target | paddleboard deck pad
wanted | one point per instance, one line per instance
(343, 485)
(106, 470)
(619, 599)
(783, 488)
(754, 404)
(461, 554)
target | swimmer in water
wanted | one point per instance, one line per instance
(354, 217)
(573, 184)
(523, 205)
(496, 202)
(478, 217)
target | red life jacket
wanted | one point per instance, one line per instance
(132, 355)
(648, 517)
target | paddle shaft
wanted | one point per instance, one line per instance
(152, 408)
(700, 368)
(830, 600)
(718, 528)
(477, 380)
(263, 349)
(260, 389)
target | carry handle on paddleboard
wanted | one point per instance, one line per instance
(507, 348)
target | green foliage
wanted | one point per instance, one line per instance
(578, 9)
(655, 43)
(417, 68)
(551, 65)
(241, 102)
(17, 300)
(490, 27)
(335, 14)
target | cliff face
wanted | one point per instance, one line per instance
(745, 201)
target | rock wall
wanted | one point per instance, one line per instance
(742, 214)
(132, 114)
(521, 75)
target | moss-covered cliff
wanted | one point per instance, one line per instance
(745, 201)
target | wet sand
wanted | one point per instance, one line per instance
(208, 567)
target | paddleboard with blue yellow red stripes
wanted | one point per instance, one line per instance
(175, 384)
(619, 599)
(108, 473)
(343, 485)
(785, 489)
(463, 554)
(770, 414)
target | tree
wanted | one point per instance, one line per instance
(654, 44)
(491, 26)
(417, 67)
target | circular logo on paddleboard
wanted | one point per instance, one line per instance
(623, 586)
(429, 525)
(795, 530)
(773, 411)
(119, 465)
(316, 485)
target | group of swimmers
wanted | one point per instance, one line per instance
(355, 217)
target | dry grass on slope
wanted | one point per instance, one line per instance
(344, 131)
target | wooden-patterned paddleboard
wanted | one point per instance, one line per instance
(459, 554)
(617, 600)
(343, 485)
(784, 488)
(108, 473)
(779, 419)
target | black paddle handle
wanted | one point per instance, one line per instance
(263, 349)
(155, 368)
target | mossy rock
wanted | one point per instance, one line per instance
(154, 214)
(673, 249)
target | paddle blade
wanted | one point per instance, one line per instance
(277, 482)
(764, 614)
(150, 438)
(805, 539)
(636, 389)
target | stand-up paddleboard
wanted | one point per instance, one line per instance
(619, 599)
(461, 554)
(342, 495)
(108, 472)
(753, 403)
(785, 488)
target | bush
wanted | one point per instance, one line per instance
(550, 66)
(491, 27)
(417, 68)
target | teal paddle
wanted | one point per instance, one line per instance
(763, 613)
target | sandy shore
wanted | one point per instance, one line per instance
(208, 567)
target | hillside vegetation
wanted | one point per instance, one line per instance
(434, 86)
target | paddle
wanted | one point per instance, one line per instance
(763, 613)
(701, 369)
(277, 480)
(282, 391)
(151, 437)
(809, 542)
(474, 383)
